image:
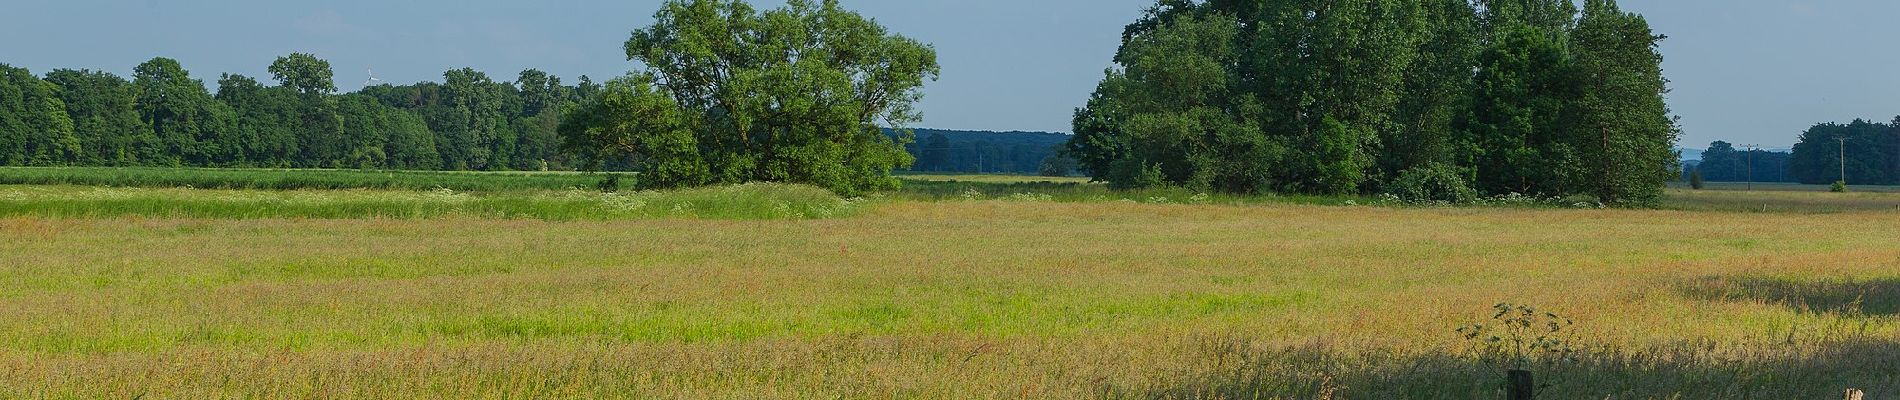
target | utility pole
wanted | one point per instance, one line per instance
(1843, 140)
(1751, 165)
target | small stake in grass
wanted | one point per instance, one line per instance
(1855, 394)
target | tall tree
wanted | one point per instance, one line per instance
(320, 134)
(1437, 90)
(268, 120)
(192, 127)
(1625, 136)
(1517, 140)
(34, 127)
(101, 106)
(475, 121)
(305, 73)
(795, 94)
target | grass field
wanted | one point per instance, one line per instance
(971, 289)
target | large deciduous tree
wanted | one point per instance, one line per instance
(34, 127)
(104, 118)
(192, 127)
(795, 94)
(320, 133)
(1625, 133)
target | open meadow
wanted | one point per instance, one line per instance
(986, 287)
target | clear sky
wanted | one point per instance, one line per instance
(1747, 71)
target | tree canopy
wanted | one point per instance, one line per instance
(1340, 97)
(1866, 152)
(163, 116)
(733, 94)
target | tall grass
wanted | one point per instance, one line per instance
(951, 299)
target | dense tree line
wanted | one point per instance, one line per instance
(163, 116)
(1872, 153)
(1510, 96)
(1723, 163)
(990, 152)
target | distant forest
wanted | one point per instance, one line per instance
(1723, 163)
(939, 150)
(1872, 153)
(1872, 157)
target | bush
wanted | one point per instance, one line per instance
(1432, 184)
(1135, 174)
(1695, 179)
(1839, 187)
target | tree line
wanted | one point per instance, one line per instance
(939, 150)
(1431, 97)
(1721, 162)
(1356, 96)
(1866, 152)
(163, 116)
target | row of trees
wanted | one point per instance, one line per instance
(1721, 162)
(990, 152)
(1865, 152)
(1346, 96)
(163, 116)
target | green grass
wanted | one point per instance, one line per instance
(1781, 201)
(280, 179)
(1784, 187)
(961, 287)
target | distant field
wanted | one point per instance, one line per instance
(972, 289)
(1786, 187)
(1782, 201)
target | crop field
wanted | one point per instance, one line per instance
(985, 287)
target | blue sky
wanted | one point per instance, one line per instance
(1747, 71)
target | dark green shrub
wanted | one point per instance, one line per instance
(1434, 183)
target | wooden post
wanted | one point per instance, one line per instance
(1523, 386)
(1855, 394)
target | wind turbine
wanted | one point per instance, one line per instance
(372, 79)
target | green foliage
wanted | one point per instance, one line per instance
(797, 94)
(1432, 184)
(1057, 165)
(1869, 155)
(304, 73)
(191, 127)
(1838, 187)
(1342, 97)
(105, 119)
(34, 127)
(1695, 179)
(1626, 136)
(1520, 337)
(1721, 162)
(631, 119)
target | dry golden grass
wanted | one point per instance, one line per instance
(958, 299)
